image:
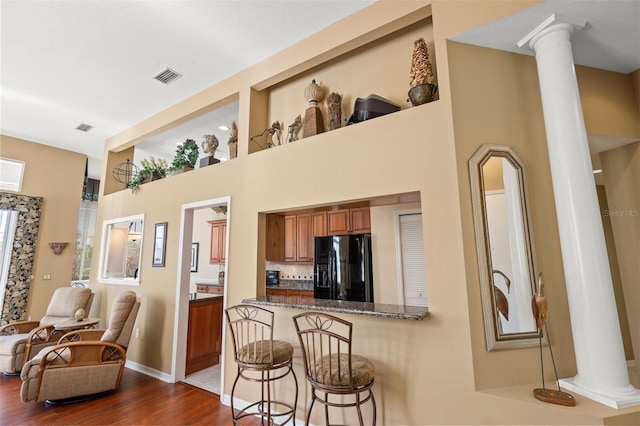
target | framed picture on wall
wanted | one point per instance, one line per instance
(195, 248)
(159, 244)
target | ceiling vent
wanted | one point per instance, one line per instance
(167, 76)
(83, 127)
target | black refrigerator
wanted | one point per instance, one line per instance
(342, 268)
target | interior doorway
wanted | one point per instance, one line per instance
(195, 249)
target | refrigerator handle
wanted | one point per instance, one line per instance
(332, 274)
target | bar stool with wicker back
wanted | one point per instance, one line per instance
(260, 359)
(330, 366)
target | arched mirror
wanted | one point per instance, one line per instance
(505, 249)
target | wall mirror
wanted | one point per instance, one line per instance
(121, 250)
(505, 248)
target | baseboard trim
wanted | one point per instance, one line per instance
(157, 374)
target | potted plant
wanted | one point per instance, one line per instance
(151, 169)
(186, 156)
(422, 81)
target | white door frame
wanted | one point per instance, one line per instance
(181, 322)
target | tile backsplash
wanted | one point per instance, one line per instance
(292, 272)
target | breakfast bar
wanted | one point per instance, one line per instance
(383, 310)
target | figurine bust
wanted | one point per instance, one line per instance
(210, 144)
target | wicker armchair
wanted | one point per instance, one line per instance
(85, 363)
(19, 341)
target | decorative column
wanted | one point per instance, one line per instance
(597, 340)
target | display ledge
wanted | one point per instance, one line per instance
(415, 313)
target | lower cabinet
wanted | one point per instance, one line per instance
(204, 335)
(289, 293)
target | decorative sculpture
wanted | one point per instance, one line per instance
(540, 308)
(233, 141)
(294, 129)
(58, 247)
(421, 79)
(210, 144)
(334, 110)
(313, 122)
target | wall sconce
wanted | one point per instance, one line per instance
(58, 247)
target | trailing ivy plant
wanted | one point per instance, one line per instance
(150, 167)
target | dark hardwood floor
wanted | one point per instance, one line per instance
(141, 400)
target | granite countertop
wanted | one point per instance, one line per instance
(357, 308)
(194, 297)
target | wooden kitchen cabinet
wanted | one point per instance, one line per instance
(304, 238)
(289, 292)
(276, 292)
(298, 238)
(209, 289)
(218, 242)
(274, 250)
(204, 334)
(290, 239)
(320, 224)
(360, 220)
(349, 221)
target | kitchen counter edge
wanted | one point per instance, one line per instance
(415, 313)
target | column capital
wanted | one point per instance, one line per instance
(553, 23)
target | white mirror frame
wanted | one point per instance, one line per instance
(106, 228)
(494, 339)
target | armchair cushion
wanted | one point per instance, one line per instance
(123, 315)
(65, 302)
(12, 344)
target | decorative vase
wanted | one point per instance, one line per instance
(233, 149)
(422, 93)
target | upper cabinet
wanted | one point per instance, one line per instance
(304, 238)
(349, 221)
(298, 238)
(290, 238)
(218, 241)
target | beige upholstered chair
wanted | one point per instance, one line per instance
(260, 359)
(343, 379)
(23, 339)
(84, 363)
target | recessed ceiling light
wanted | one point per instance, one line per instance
(84, 127)
(223, 128)
(597, 171)
(167, 76)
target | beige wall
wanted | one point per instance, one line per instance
(621, 170)
(57, 175)
(425, 370)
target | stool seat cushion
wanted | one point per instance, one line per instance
(333, 370)
(258, 352)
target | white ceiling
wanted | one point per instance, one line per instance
(66, 62)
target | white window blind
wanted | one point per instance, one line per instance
(414, 278)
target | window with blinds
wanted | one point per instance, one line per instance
(411, 248)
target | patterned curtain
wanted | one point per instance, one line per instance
(24, 247)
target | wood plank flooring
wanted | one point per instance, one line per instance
(141, 400)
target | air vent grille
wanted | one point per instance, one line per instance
(167, 76)
(83, 127)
